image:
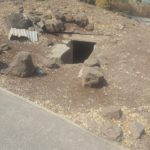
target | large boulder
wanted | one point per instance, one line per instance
(19, 21)
(60, 54)
(22, 65)
(92, 77)
(112, 132)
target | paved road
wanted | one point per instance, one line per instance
(24, 126)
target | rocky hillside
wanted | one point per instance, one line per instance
(87, 64)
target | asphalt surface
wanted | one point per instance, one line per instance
(25, 126)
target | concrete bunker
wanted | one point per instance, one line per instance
(81, 50)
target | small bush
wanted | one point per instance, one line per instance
(103, 3)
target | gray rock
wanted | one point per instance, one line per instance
(137, 130)
(92, 77)
(61, 54)
(81, 20)
(112, 132)
(19, 21)
(22, 65)
(112, 112)
(52, 26)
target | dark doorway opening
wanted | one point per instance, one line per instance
(81, 50)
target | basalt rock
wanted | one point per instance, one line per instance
(22, 65)
(19, 21)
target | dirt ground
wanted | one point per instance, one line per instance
(124, 53)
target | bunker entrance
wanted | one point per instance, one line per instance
(81, 50)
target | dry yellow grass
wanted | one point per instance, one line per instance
(102, 3)
(129, 6)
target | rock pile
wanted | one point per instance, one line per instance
(60, 20)
(49, 22)
(110, 130)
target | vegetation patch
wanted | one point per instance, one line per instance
(133, 7)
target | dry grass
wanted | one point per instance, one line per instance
(130, 7)
(135, 9)
(103, 3)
